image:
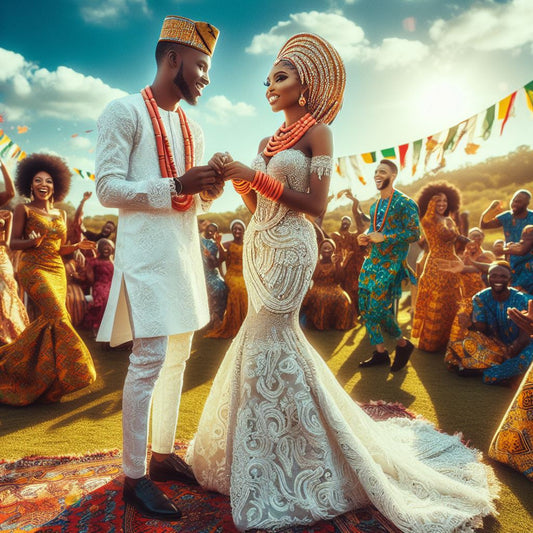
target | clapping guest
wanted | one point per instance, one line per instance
(346, 243)
(237, 303)
(493, 345)
(439, 292)
(13, 316)
(217, 290)
(523, 277)
(48, 359)
(100, 271)
(327, 305)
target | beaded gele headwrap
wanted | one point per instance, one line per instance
(199, 35)
(320, 67)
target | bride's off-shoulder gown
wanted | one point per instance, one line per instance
(279, 434)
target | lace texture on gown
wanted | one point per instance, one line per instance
(282, 438)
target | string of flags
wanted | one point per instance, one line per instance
(9, 149)
(470, 132)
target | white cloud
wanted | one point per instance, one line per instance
(487, 27)
(219, 109)
(347, 37)
(395, 53)
(81, 143)
(11, 62)
(29, 91)
(107, 12)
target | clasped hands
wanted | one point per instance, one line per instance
(209, 179)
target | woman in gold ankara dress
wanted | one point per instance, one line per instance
(49, 359)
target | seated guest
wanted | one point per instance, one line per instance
(472, 282)
(498, 250)
(327, 305)
(217, 290)
(100, 271)
(347, 245)
(76, 285)
(512, 443)
(494, 346)
(513, 223)
(522, 252)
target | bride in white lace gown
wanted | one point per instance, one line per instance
(278, 433)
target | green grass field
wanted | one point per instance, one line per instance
(90, 419)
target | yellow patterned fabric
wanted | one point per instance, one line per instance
(327, 305)
(199, 35)
(472, 284)
(439, 292)
(513, 442)
(48, 359)
(237, 305)
(13, 316)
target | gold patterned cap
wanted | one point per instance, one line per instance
(199, 35)
(320, 67)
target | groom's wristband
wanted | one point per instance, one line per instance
(178, 186)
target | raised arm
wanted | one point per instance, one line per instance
(9, 191)
(488, 218)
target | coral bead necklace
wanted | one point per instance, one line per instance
(288, 136)
(180, 202)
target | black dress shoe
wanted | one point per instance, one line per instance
(378, 358)
(150, 500)
(173, 468)
(402, 356)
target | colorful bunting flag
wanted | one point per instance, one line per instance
(84, 174)
(402, 149)
(505, 107)
(528, 88)
(357, 169)
(470, 130)
(450, 138)
(488, 121)
(417, 150)
(369, 157)
(389, 153)
(22, 129)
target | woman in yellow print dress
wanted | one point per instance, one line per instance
(13, 316)
(327, 305)
(237, 304)
(439, 292)
(49, 359)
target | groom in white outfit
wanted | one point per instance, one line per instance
(158, 295)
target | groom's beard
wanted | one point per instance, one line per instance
(181, 84)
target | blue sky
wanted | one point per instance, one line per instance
(414, 68)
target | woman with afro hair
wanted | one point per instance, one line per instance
(439, 292)
(48, 359)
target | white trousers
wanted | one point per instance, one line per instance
(154, 379)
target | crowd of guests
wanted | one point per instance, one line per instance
(56, 276)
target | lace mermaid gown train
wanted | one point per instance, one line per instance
(282, 438)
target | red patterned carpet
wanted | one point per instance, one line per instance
(83, 494)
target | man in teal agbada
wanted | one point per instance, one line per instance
(394, 225)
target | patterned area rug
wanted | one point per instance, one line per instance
(83, 494)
